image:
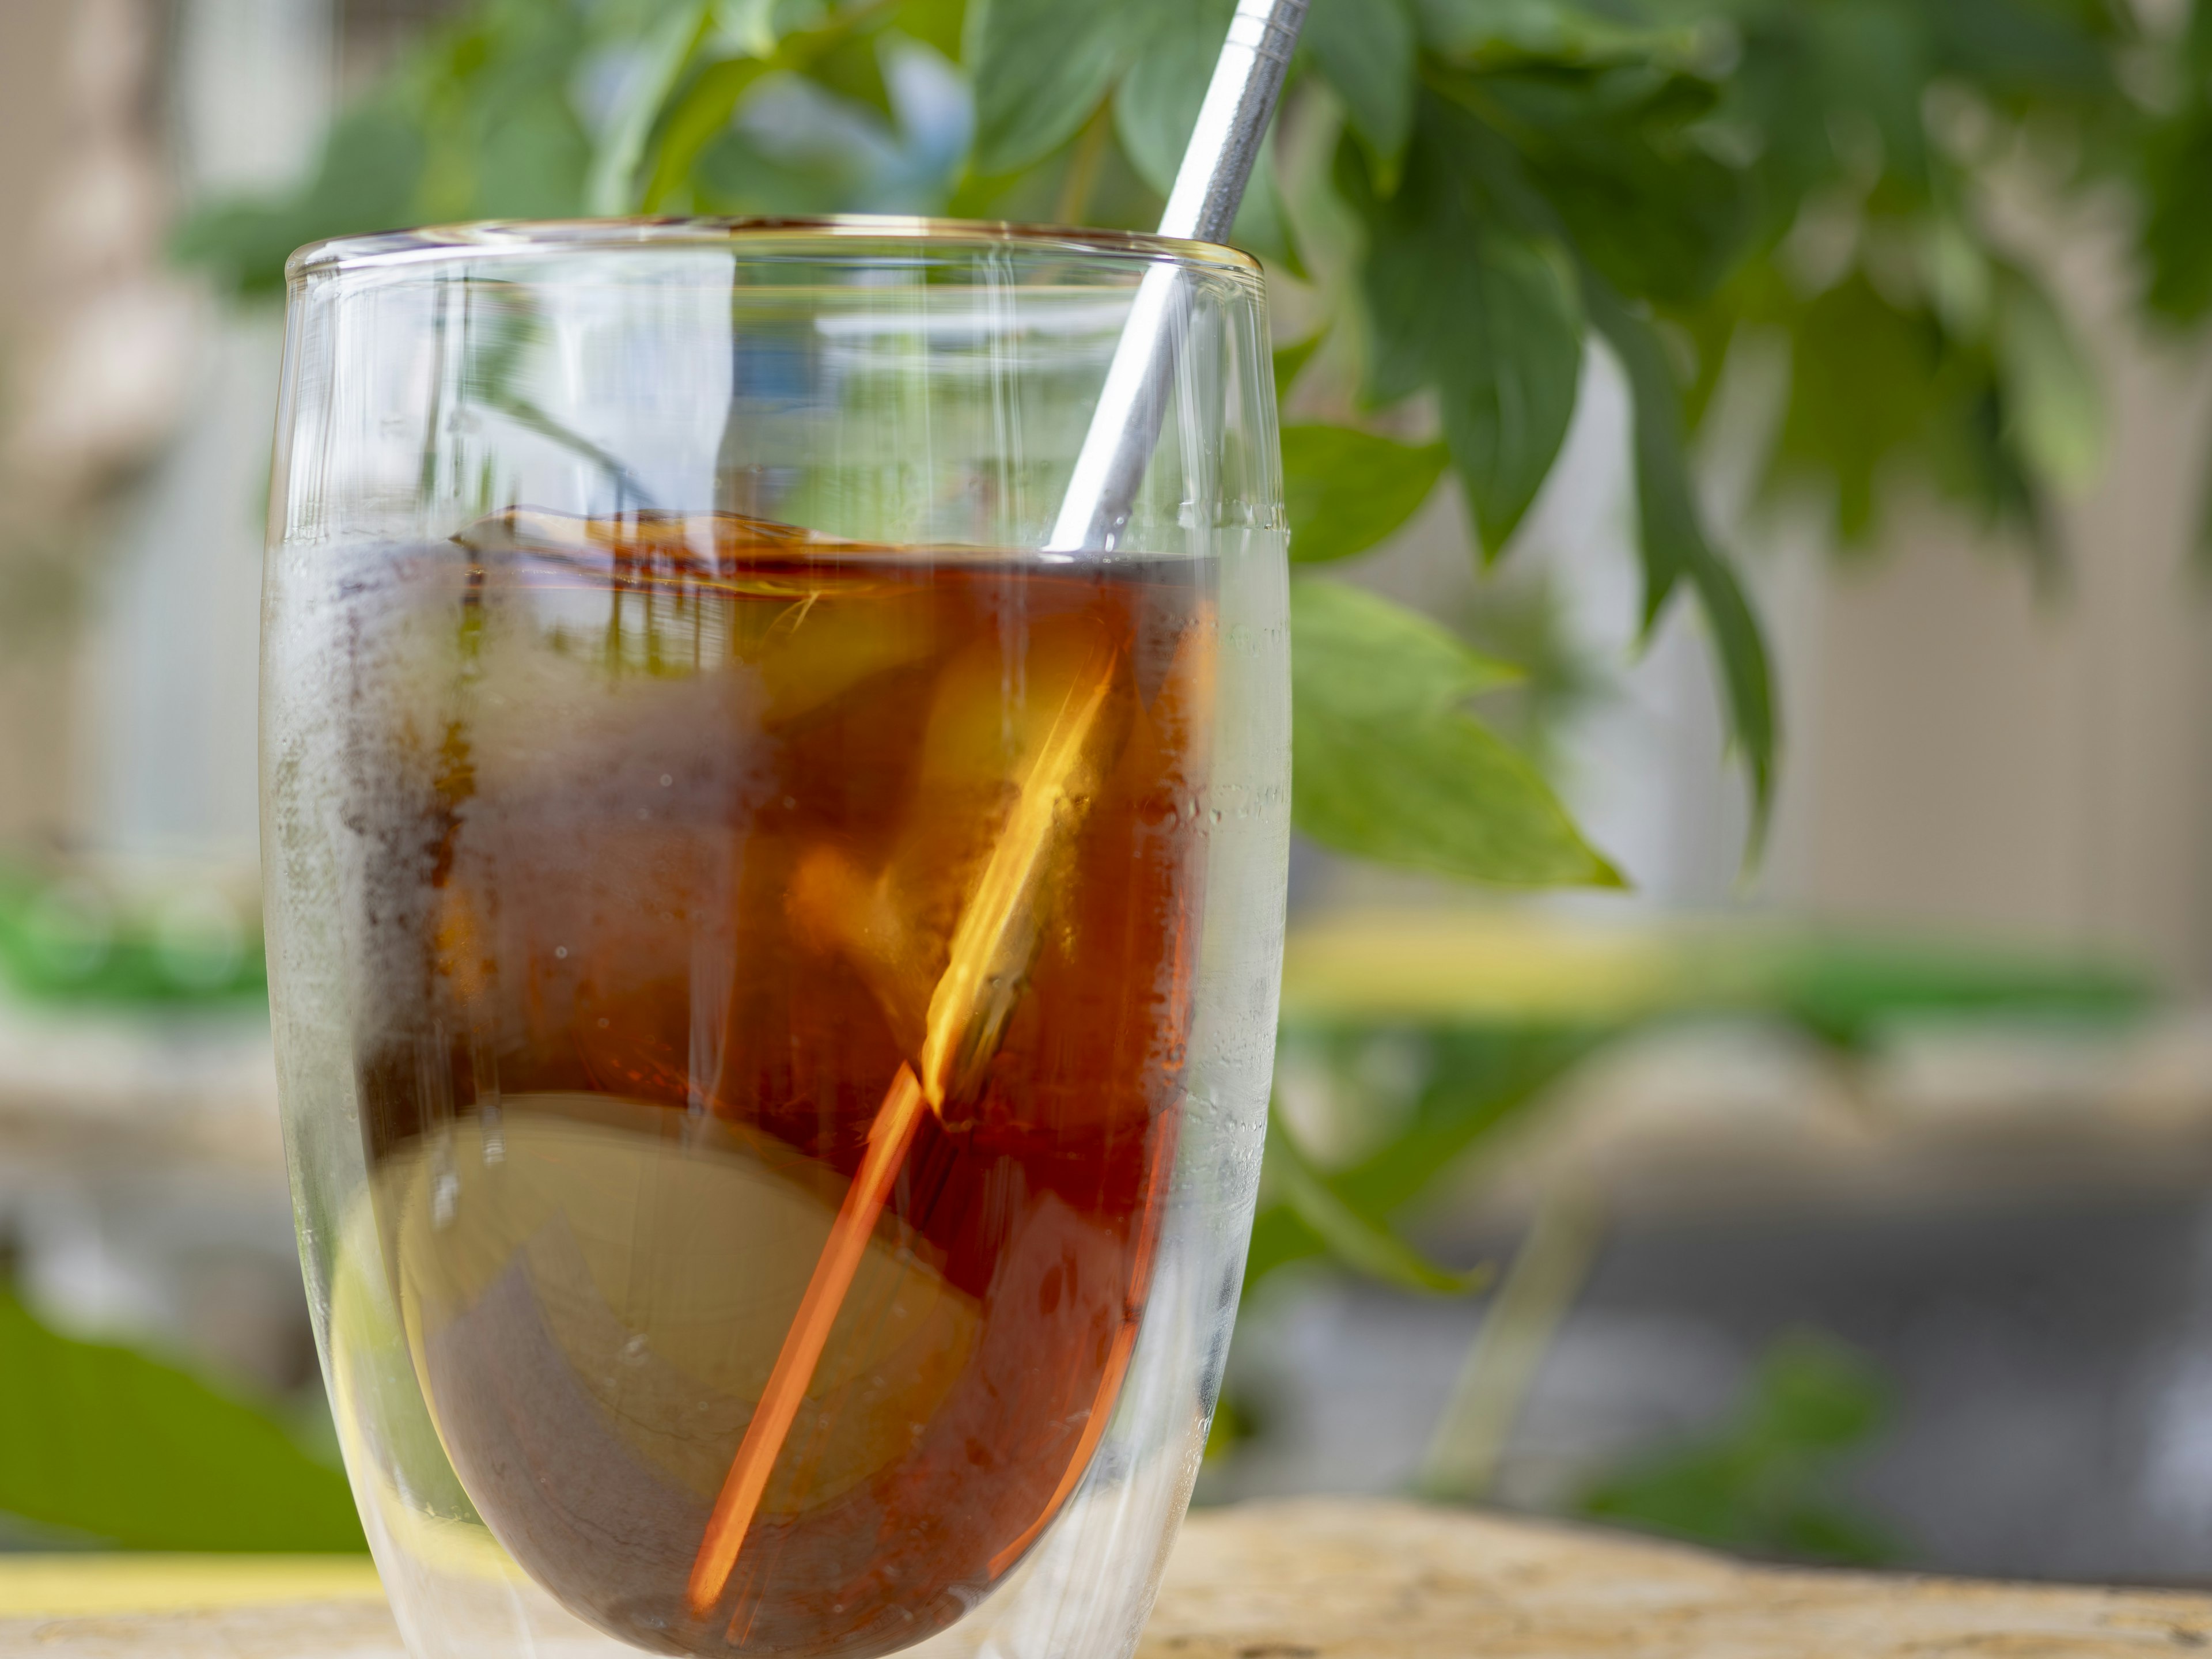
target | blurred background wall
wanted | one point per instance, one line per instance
(35, 745)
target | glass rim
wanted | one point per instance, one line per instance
(493, 238)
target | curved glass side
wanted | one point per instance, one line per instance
(775, 978)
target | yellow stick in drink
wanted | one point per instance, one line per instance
(967, 1014)
(889, 1137)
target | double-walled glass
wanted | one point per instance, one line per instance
(775, 975)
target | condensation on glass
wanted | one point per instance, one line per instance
(775, 975)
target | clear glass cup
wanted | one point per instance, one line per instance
(774, 975)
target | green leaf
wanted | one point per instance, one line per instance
(1508, 378)
(1155, 107)
(1491, 33)
(1393, 663)
(367, 177)
(1040, 67)
(1483, 1079)
(1365, 50)
(937, 24)
(2177, 231)
(71, 942)
(1443, 795)
(2055, 401)
(533, 163)
(1815, 1394)
(1766, 1483)
(491, 92)
(699, 114)
(749, 25)
(1674, 545)
(1385, 767)
(474, 123)
(1261, 226)
(852, 68)
(1460, 299)
(365, 180)
(1620, 159)
(143, 1456)
(1348, 490)
(2021, 50)
(612, 187)
(1290, 362)
(1865, 386)
(1360, 1243)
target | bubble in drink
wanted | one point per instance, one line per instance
(685, 837)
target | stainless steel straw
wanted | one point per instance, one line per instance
(1233, 124)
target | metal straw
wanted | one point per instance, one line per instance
(1233, 124)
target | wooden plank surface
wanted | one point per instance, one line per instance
(1308, 1579)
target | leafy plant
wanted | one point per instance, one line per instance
(1502, 1014)
(113, 1447)
(1483, 193)
(1472, 199)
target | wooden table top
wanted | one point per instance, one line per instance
(1306, 1579)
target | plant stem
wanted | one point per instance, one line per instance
(1547, 1274)
(1083, 167)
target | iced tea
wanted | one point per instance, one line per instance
(673, 824)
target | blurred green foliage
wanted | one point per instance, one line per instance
(1767, 1483)
(1471, 1061)
(1349, 490)
(1472, 197)
(2177, 232)
(1386, 759)
(1475, 1081)
(1479, 190)
(69, 938)
(1355, 1239)
(122, 1450)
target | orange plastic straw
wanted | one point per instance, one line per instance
(888, 1140)
(966, 1014)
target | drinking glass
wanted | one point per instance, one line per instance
(774, 972)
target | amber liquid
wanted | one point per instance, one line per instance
(672, 825)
